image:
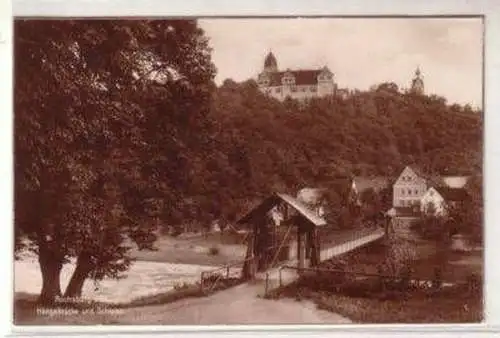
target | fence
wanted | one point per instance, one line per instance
(353, 283)
(232, 274)
(222, 277)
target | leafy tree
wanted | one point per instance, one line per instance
(107, 114)
(467, 217)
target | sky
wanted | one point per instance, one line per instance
(361, 52)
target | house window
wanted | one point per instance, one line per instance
(303, 89)
(416, 192)
(409, 191)
(402, 191)
(278, 90)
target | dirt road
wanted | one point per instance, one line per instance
(239, 305)
(236, 306)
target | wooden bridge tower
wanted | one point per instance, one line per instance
(270, 242)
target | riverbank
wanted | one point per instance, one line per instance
(212, 249)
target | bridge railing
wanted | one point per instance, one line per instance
(222, 277)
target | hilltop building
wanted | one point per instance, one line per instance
(417, 84)
(298, 84)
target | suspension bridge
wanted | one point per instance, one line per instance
(286, 232)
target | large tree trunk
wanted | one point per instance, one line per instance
(82, 270)
(50, 266)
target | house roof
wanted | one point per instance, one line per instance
(274, 199)
(439, 180)
(313, 196)
(455, 181)
(416, 169)
(375, 183)
(303, 210)
(302, 77)
(310, 195)
(453, 194)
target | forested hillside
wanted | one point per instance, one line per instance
(264, 145)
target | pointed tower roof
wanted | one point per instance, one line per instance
(417, 71)
(417, 83)
(270, 61)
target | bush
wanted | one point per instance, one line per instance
(182, 286)
(214, 251)
(400, 256)
(430, 227)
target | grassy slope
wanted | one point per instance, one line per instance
(449, 307)
(196, 250)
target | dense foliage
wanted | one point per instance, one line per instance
(266, 145)
(464, 218)
(107, 115)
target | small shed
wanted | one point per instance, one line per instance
(270, 241)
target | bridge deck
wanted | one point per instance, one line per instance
(289, 276)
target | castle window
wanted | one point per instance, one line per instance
(288, 80)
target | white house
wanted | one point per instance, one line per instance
(436, 200)
(409, 188)
(432, 201)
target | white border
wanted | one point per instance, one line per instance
(111, 8)
(6, 210)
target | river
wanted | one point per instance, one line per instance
(143, 278)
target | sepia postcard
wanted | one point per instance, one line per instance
(233, 171)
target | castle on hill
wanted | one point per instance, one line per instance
(297, 84)
(302, 84)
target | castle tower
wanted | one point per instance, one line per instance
(270, 63)
(417, 84)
